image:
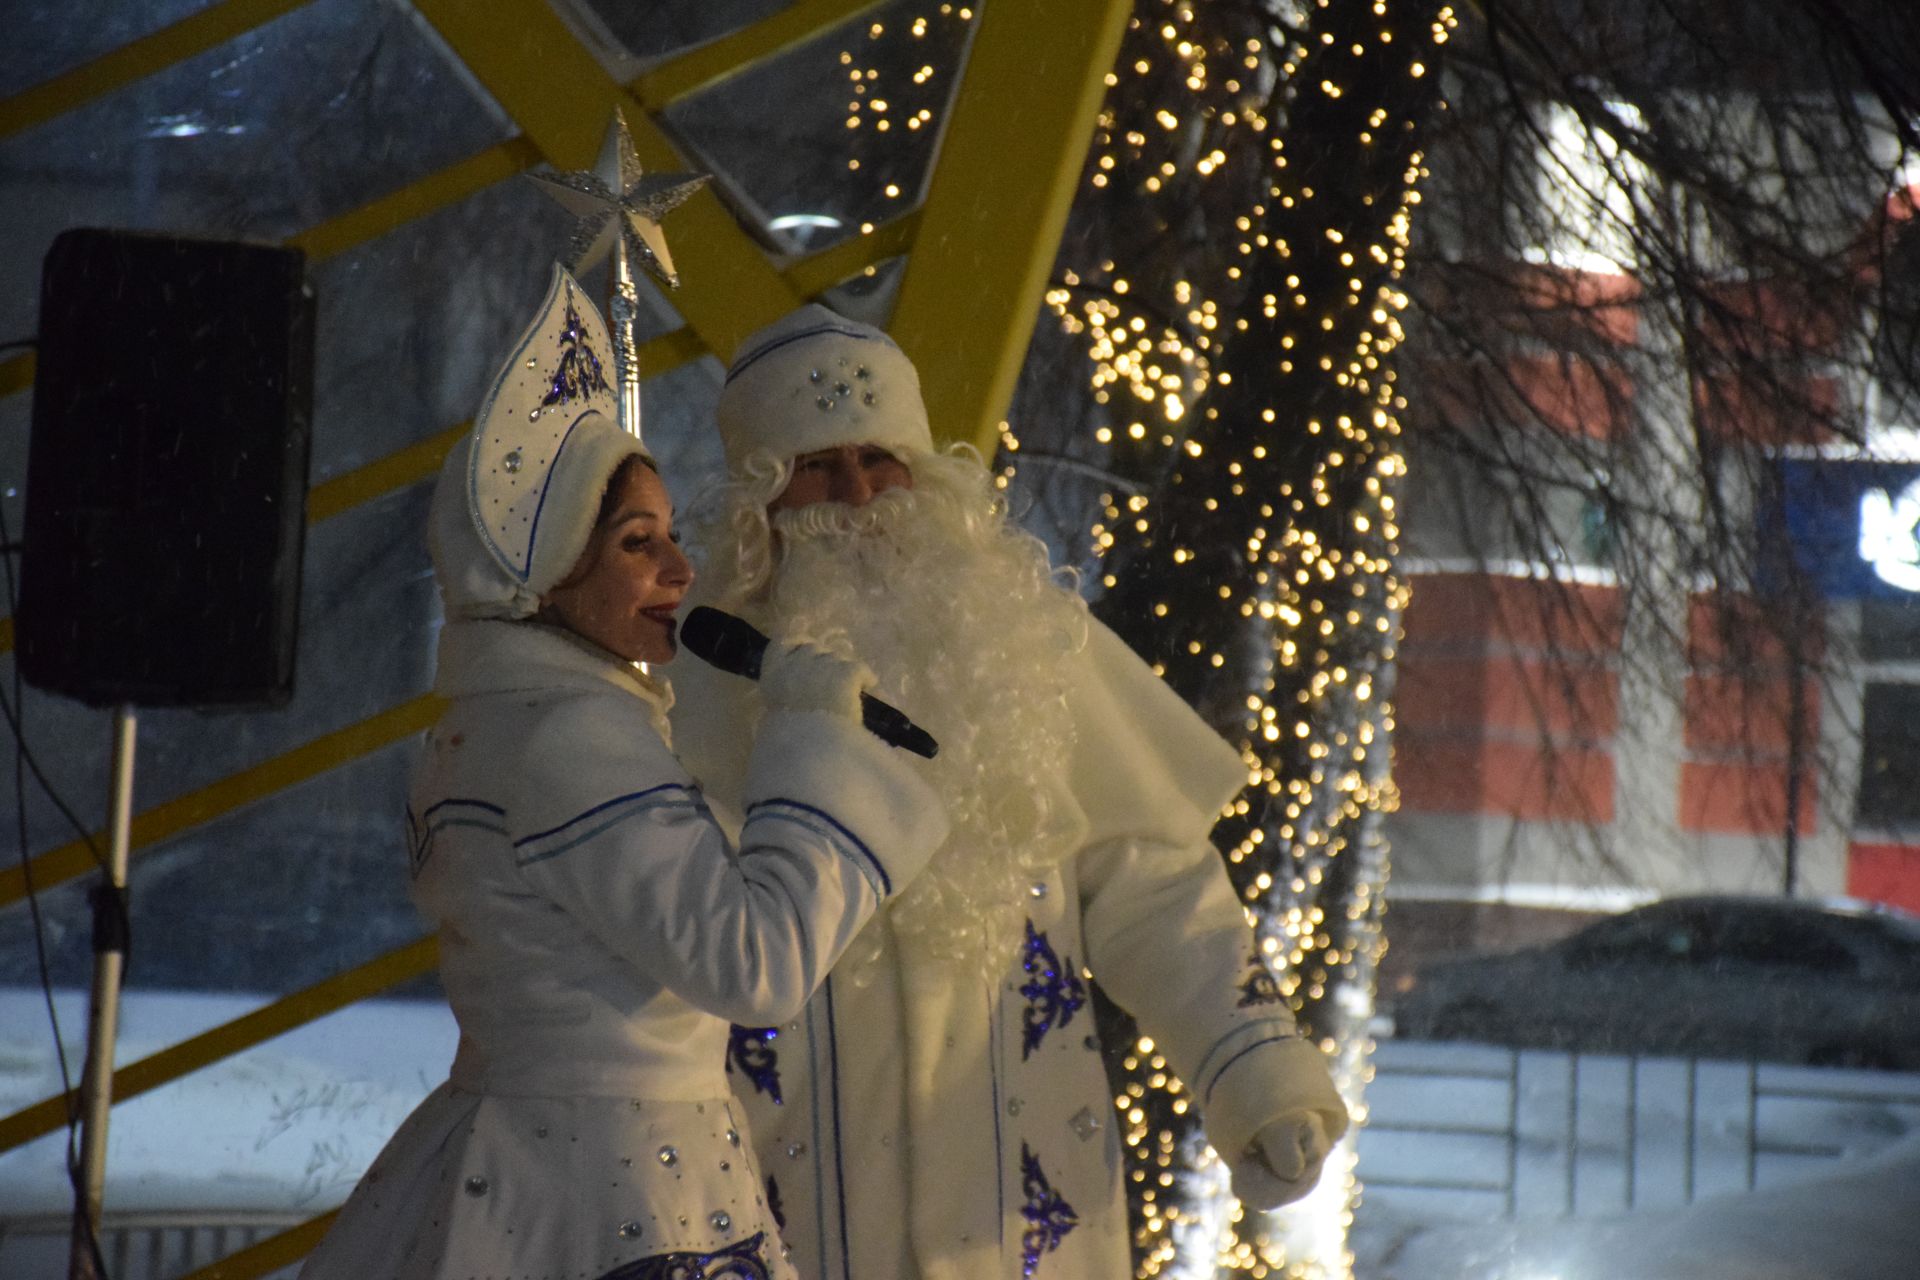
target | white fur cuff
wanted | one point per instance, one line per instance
(870, 793)
(1281, 1076)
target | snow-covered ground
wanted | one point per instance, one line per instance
(286, 1128)
(287, 1125)
(1858, 1223)
(1483, 1163)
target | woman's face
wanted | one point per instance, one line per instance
(623, 591)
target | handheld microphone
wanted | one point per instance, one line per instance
(734, 645)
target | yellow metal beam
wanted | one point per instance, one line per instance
(269, 1255)
(164, 821)
(418, 462)
(562, 99)
(731, 54)
(16, 374)
(435, 191)
(811, 277)
(283, 1015)
(1010, 159)
(214, 25)
(382, 476)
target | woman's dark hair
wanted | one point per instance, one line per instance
(609, 507)
(610, 497)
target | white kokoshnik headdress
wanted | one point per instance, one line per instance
(528, 479)
(516, 501)
(816, 380)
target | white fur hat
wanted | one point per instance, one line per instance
(817, 380)
(516, 499)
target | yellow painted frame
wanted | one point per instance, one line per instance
(1010, 161)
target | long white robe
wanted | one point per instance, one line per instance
(598, 933)
(918, 1127)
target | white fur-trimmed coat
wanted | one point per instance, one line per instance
(598, 933)
(917, 1128)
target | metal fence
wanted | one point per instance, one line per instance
(1469, 1132)
(1455, 1133)
(149, 1246)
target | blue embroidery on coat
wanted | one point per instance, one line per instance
(1049, 1218)
(751, 1050)
(1053, 990)
(1264, 1031)
(672, 796)
(834, 831)
(1259, 986)
(419, 843)
(744, 1261)
(452, 812)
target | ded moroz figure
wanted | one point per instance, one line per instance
(939, 1109)
(598, 931)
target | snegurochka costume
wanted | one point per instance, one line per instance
(919, 1127)
(598, 932)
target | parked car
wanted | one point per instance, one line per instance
(1765, 978)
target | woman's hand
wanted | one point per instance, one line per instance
(804, 677)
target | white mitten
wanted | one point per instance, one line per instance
(1283, 1161)
(805, 677)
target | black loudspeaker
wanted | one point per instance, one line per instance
(167, 473)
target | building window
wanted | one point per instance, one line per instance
(1890, 758)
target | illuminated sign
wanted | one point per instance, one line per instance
(1852, 528)
(1887, 540)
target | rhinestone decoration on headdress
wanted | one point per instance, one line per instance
(579, 373)
(555, 376)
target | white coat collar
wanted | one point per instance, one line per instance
(480, 656)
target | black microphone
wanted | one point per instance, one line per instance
(735, 645)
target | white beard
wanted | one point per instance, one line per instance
(959, 615)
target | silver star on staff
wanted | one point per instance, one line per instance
(614, 200)
(619, 209)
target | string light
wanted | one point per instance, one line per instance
(1172, 131)
(1261, 501)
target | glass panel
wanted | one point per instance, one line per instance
(1889, 796)
(836, 134)
(1889, 630)
(265, 901)
(271, 133)
(663, 27)
(1777, 941)
(45, 40)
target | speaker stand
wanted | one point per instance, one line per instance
(103, 1027)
